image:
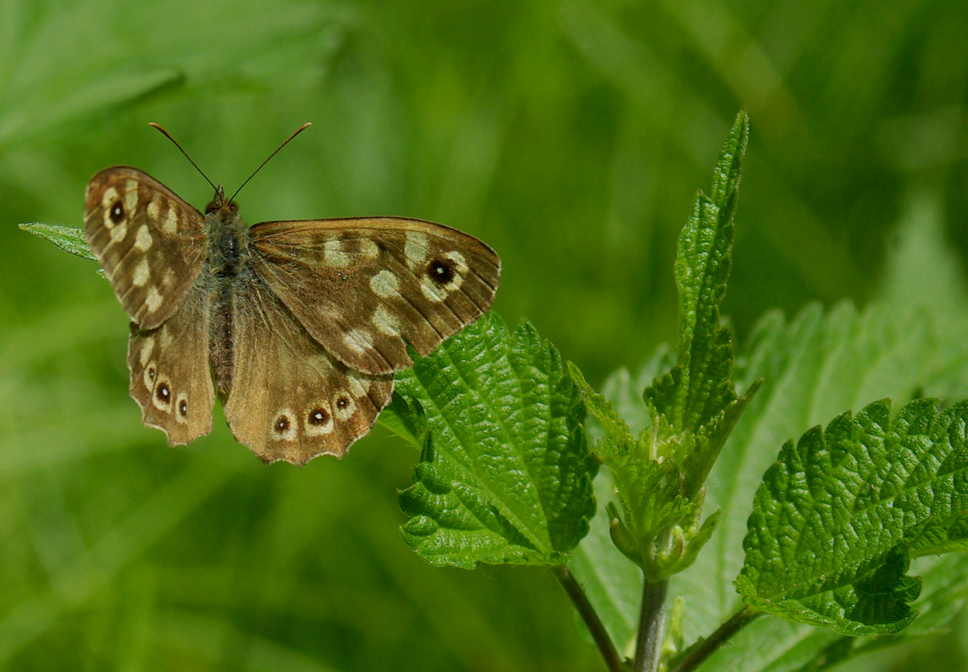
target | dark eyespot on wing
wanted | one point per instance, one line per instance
(441, 272)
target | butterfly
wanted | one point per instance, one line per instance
(297, 326)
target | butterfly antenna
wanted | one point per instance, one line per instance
(175, 142)
(294, 134)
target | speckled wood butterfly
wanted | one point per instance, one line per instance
(301, 324)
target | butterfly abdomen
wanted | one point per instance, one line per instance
(228, 252)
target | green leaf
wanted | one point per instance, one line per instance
(698, 388)
(612, 584)
(68, 238)
(695, 405)
(656, 523)
(505, 476)
(814, 366)
(835, 519)
(624, 389)
(617, 437)
(659, 473)
(406, 419)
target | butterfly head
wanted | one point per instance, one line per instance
(220, 204)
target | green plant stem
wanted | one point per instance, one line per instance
(648, 645)
(588, 614)
(706, 647)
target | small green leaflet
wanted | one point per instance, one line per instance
(695, 406)
(659, 472)
(698, 388)
(68, 238)
(505, 475)
(842, 513)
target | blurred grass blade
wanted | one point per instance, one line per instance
(22, 122)
(100, 564)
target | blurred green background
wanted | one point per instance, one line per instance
(571, 136)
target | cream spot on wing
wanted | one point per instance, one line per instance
(170, 223)
(358, 340)
(432, 291)
(147, 347)
(109, 197)
(154, 209)
(149, 374)
(161, 397)
(333, 254)
(344, 406)
(460, 264)
(131, 195)
(169, 278)
(318, 420)
(284, 426)
(384, 322)
(153, 300)
(119, 232)
(359, 386)
(181, 408)
(165, 337)
(141, 273)
(416, 249)
(369, 249)
(143, 240)
(385, 284)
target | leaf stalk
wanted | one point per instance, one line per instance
(648, 646)
(698, 654)
(590, 617)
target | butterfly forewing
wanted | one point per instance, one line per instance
(290, 400)
(150, 243)
(361, 287)
(169, 366)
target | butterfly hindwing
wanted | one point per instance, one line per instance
(290, 399)
(150, 243)
(170, 376)
(361, 287)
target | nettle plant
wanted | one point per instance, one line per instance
(513, 440)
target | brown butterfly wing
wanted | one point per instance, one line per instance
(360, 287)
(170, 376)
(150, 243)
(289, 399)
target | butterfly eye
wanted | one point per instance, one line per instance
(117, 212)
(441, 272)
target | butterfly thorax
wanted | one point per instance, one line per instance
(228, 236)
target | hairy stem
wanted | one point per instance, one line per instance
(648, 646)
(588, 614)
(699, 653)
